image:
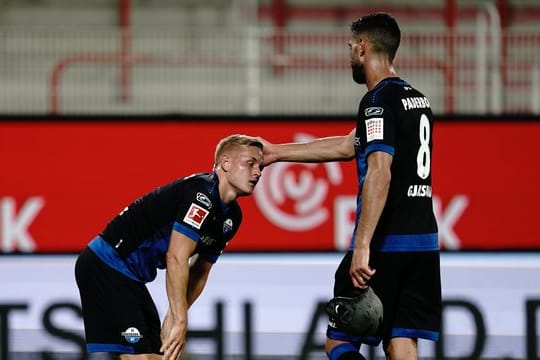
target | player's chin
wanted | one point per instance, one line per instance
(248, 189)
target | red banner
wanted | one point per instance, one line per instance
(62, 181)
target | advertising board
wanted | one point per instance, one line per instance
(61, 181)
(268, 304)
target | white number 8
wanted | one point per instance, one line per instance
(423, 157)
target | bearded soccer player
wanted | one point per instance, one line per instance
(394, 247)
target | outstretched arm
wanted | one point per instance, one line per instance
(333, 148)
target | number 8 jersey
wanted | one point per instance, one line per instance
(397, 119)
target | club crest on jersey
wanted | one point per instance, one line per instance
(195, 216)
(203, 199)
(374, 129)
(373, 111)
(132, 335)
(227, 226)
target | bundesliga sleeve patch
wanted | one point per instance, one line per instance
(195, 216)
(374, 129)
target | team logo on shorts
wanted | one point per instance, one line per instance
(132, 335)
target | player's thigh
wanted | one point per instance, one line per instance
(409, 287)
(343, 285)
(119, 313)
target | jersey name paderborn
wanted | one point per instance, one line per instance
(417, 102)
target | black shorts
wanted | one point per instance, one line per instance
(119, 313)
(409, 286)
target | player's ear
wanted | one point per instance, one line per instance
(362, 44)
(225, 163)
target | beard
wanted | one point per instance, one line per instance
(358, 73)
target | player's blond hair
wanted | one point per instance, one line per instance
(231, 141)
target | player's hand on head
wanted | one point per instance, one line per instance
(269, 151)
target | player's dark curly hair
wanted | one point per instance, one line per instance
(382, 31)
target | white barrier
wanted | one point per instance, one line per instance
(283, 290)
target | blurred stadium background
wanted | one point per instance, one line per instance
(125, 88)
(257, 57)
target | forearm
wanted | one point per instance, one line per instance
(195, 289)
(374, 194)
(177, 284)
(333, 148)
(198, 275)
(316, 151)
(174, 328)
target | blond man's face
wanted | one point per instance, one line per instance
(243, 167)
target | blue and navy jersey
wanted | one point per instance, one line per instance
(136, 240)
(395, 118)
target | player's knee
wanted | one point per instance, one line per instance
(345, 351)
(401, 349)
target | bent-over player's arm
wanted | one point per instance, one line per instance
(332, 148)
(177, 277)
(198, 275)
